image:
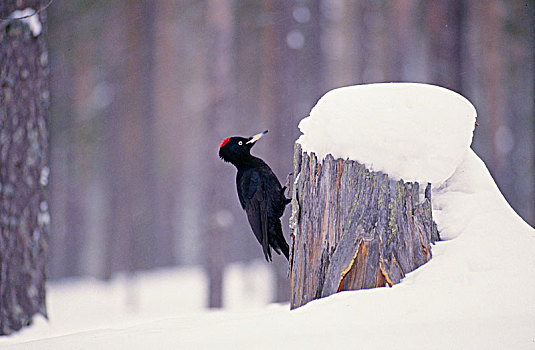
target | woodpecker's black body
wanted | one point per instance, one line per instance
(260, 192)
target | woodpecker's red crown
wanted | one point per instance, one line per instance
(224, 142)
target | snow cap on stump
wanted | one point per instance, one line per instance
(415, 132)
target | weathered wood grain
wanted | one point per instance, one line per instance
(353, 229)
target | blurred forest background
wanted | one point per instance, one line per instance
(143, 92)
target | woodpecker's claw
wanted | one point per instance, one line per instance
(288, 182)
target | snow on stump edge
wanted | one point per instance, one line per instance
(353, 228)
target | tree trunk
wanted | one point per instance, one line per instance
(24, 216)
(219, 25)
(353, 229)
(445, 22)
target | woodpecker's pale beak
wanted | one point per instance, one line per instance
(256, 137)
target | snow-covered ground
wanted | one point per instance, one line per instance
(87, 304)
(477, 292)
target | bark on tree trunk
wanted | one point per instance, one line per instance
(353, 229)
(24, 215)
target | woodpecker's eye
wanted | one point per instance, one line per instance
(240, 143)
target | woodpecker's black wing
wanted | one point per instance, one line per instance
(262, 197)
(253, 200)
(257, 214)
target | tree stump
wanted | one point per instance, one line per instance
(353, 228)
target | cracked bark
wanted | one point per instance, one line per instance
(354, 229)
(24, 215)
